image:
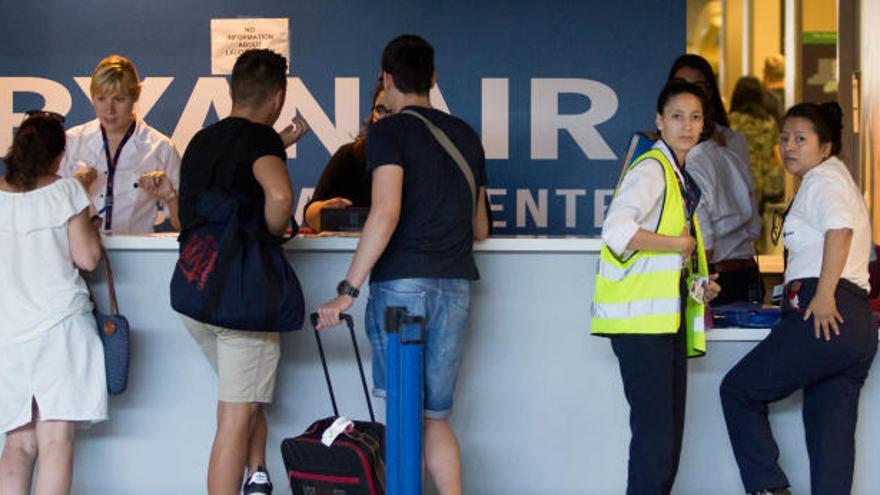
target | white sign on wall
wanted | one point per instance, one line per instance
(231, 37)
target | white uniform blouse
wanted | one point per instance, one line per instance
(827, 199)
(638, 203)
(147, 150)
(728, 216)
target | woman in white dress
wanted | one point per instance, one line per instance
(51, 361)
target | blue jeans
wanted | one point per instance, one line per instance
(445, 304)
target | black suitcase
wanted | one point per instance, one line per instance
(354, 464)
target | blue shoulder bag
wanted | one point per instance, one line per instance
(231, 272)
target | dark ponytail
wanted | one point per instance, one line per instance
(37, 143)
(827, 120)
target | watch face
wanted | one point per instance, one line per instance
(345, 289)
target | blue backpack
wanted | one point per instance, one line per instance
(231, 272)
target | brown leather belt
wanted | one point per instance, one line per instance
(733, 265)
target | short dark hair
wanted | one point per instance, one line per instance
(827, 120)
(37, 143)
(677, 87)
(410, 61)
(256, 75)
(699, 63)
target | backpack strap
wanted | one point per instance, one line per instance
(453, 151)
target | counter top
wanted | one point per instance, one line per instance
(499, 244)
(163, 242)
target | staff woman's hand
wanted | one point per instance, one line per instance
(687, 244)
(712, 288)
(826, 318)
(85, 175)
(158, 185)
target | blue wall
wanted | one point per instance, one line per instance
(625, 46)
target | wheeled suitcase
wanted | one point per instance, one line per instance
(337, 456)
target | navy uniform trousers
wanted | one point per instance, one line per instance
(654, 372)
(831, 374)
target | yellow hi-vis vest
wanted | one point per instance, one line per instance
(641, 295)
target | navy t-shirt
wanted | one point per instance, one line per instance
(434, 236)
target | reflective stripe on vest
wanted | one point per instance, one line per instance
(641, 295)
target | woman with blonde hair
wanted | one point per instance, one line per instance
(51, 360)
(128, 168)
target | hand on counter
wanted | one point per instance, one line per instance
(328, 313)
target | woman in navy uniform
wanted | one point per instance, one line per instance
(827, 339)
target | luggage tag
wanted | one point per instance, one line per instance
(697, 288)
(337, 428)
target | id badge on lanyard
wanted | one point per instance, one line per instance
(111, 172)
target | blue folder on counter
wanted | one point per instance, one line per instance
(745, 315)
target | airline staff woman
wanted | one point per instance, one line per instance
(126, 166)
(651, 286)
(827, 338)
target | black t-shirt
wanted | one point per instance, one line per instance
(232, 142)
(344, 177)
(434, 236)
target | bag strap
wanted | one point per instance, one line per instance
(453, 151)
(357, 353)
(224, 178)
(111, 288)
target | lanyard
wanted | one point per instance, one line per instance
(111, 172)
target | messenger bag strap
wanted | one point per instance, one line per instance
(453, 151)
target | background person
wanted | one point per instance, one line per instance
(51, 358)
(344, 181)
(652, 218)
(727, 210)
(126, 166)
(827, 338)
(774, 85)
(749, 117)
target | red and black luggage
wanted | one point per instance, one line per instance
(354, 463)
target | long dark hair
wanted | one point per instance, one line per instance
(360, 143)
(748, 98)
(699, 63)
(37, 143)
(827, 120)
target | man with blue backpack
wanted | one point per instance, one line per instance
(234, 289)
(429, 203)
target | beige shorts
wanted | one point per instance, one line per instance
(245, 362)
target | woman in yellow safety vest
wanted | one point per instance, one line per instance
(652, 283)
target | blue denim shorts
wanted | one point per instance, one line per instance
(445, 304)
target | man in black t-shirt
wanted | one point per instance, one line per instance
(417, 245)
(245, 361)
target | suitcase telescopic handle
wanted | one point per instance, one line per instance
(349, 322)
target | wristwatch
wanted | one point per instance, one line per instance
(346, 289)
